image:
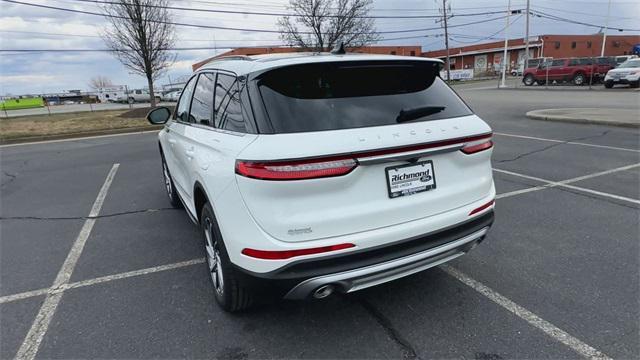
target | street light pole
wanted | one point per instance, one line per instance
(506, 43)
(526, 41)
(606, 26)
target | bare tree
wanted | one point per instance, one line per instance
(141, 36)
(319, 25)
(100, 81)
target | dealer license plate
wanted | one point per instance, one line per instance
(410, 179)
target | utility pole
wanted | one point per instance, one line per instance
(506, 43)
(606, 26)
(526, 41)
(446, 37)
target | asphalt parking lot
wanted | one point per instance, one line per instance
(93, 263)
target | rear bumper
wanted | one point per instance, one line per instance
(359, 270)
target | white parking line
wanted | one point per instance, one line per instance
(78, 138)
(565, 183)
(566, 142)
(31, 343)
(100, 280)
(548, 328)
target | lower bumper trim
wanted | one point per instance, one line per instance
(362, 278)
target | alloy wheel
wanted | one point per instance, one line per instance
(213, 257)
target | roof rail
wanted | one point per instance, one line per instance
(233, 57)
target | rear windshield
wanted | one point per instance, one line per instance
(343, 95)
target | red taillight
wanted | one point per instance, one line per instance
(342, 164)
(287, 254)
(474, 148)
(483, 207)
(294, 170)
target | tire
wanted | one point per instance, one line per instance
(540, 82)
(169, 186)
(579, 79)
(635, 84)
(608, 84)
(229, 292)
(528, 80)
(131, 100)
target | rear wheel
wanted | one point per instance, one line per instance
(579, 79)
(169, 186)
(541, 82)
(528, 80)
(230, 294)
(131, 100)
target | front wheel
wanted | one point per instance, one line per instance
(635, 84)
(540, 82)
(608, 84)
(229, 292)
(131, 100)
(528, 80)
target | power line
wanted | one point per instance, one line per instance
(234, 28)
(544, 15)
(243, 12)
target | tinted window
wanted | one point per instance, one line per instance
(342, 95)
(202, 104)
(227, 104)
(573, 62)
(557, 63)
(182, 110)
(585, 61)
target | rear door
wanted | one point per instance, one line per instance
(360, 145)
(216, 133)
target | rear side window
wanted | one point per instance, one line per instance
(202, 104)
(557, 63)
(227, 104)
(343, 95)
(182, 110)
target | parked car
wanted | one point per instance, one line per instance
(139, 95)
(579, 71)
(171, 96)
(321, 173)
(627, 73)
(517, 71)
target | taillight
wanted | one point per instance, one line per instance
(294, 170)
(474, 147)
(483, 207)
(287, 254)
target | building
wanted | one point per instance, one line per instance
(248, 51)
(487, 58)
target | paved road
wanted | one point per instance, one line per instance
(60, 109)
(558, 276)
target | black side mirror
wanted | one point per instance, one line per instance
(159, 115)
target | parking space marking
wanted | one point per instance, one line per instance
(31, 343)
(548, 328)
(566, 142)
(129, 274)
(100, 280)
(78, 138)
(565, 183)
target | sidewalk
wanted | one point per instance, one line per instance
(615, 117)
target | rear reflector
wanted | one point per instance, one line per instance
(287, 254)
(294, 170)
(483, 207)
(474, 148)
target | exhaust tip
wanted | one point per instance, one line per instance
(323, 291)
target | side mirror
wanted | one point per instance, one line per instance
(159, 115)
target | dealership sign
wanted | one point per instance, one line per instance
(466, 74)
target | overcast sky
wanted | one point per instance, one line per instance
(54, 72)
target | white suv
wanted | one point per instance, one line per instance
(315, 173)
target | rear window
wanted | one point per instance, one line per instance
(343, 95)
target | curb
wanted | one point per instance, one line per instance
(28, 139)
(540, 115)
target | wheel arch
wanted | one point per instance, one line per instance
(199, 199)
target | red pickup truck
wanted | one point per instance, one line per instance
(580, 71)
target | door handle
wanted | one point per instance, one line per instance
(172, 141)
(190, 152)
